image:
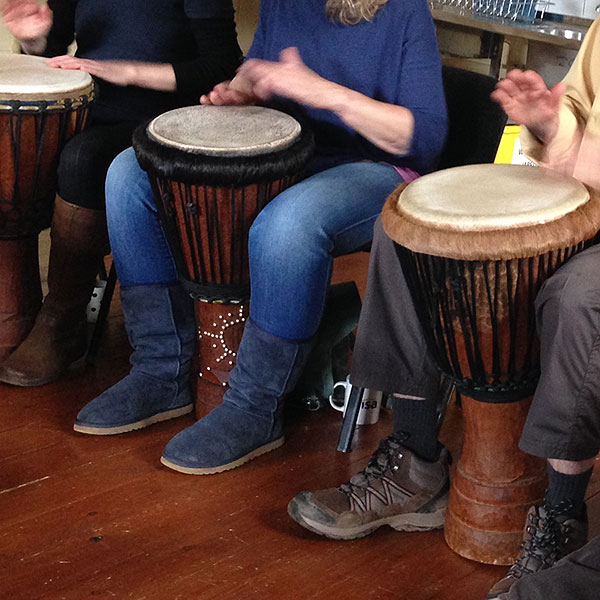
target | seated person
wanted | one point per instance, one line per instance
(390, 354)
(366, 77)
(146, 57)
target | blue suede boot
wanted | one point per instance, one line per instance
(249, 421)
(162, 330)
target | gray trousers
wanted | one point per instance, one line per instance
(575, 577)
(391, 354)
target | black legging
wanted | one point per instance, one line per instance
(85, 159)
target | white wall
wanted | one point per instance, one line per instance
(246, 15)
(6, 39)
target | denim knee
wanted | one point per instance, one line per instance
(277, 232)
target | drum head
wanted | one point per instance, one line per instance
(225, 130)
(29, 78)
(489, 211)
(492, 197)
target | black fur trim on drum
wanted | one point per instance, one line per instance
(188, 167)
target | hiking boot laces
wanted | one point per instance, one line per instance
(547, 537)
(359, 489)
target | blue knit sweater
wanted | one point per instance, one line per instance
(394, 59)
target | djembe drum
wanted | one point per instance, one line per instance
(40, 109)
(213, 168)
(476, 243)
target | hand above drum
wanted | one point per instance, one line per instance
(28, 22)
(289, 77)
(236, 92)
(261, 79)
(388, 126)
(526, 100)
(156, 76)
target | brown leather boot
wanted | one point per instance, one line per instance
(58, 338)
(20, 291)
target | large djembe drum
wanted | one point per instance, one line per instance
(40, 109)
(476, 243)
(213, 168)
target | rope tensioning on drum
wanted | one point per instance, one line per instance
(26, 206)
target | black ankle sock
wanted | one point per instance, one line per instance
(567, 492)
(417, 420)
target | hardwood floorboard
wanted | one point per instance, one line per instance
(96, 517)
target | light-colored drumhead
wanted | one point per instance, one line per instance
(491, 197)
(25, 77)
(225, 130)
(491, 212)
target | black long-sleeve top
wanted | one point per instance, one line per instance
(197, 37)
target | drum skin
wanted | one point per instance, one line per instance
(474, 288)
(213, 169)
(40, 110)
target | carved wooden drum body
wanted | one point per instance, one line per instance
(476, 243)
(40, 109)
(213, 169)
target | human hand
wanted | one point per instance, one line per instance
(230, 93)
(25, 19)
(289, 77)
(119, 72)
(527, 101)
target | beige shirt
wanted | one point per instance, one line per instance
(575, 150)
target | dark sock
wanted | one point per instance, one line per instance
(416, 420)
(566, 493)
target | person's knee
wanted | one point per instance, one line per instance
(280, 230)
(121, 178)
(569, 294)
(81, 171)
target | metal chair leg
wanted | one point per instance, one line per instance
(94, 344)
(350, 418)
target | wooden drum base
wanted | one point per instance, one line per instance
(220, 329)
(493, 484)
(20, 291)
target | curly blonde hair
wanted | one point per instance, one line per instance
(351, 12)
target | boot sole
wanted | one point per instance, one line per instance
(163, 416)
(232, 465)
(418, 521)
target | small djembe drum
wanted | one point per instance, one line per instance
(213, 168)
(40, 109)
(476, 243)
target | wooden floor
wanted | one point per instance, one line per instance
(91, 517)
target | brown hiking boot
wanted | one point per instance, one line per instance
(548, 537)
(396, 488)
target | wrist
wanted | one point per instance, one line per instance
(545, 131)
(34, 45)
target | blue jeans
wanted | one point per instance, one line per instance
(292, 242)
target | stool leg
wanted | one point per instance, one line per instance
(448, 389)
(350, 418)
(111, 280)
